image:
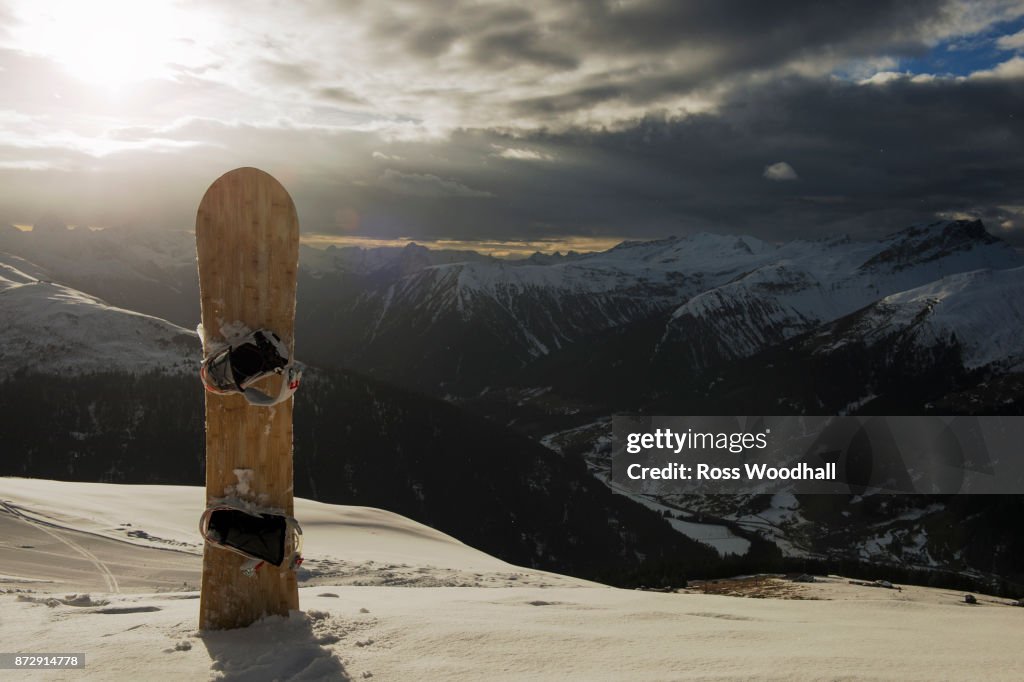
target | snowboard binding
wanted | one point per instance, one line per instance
(260, 536)
(236, 368)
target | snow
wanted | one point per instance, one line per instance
(780, 523)
(719, 537)
(544, 304)
(538, 626)
(803, 284)
(339, 541)
(982, 309)
(52, 328)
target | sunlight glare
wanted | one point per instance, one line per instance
(107, 43)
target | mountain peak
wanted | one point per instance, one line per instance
(924, 243)
(953, 230)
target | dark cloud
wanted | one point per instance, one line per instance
(431, 41)
(870, 159)
(655, 50)
(715, 42)
(761, 29)
(425, 185)
(501, 49)
(339, 95)
(423, 33)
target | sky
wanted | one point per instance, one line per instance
(552, 124)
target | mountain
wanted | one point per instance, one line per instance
(952, 346)
(56, 329)
(926, 320)
(383, 262)
(454, 323)
(459, 328)
(979, 313)
(149, 271)
(810, 283)
(467, 325)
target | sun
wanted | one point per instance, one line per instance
(107, 43)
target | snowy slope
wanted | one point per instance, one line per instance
(980, 311)
(52, 328)
(538, 626)
(149, 271)
(811, 283)
(342, 544)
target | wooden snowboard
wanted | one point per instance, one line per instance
(247, 244)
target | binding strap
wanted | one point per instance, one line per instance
(289, 385)
(239, 537)
(238, 367)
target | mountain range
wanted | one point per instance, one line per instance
(925, 320)
(455, 322)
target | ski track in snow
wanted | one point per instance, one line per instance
(101, 567)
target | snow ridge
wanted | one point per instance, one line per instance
(811, 283)
(981, 311)
(53, 328)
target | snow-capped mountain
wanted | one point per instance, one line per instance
(721, 297)
(979, 313)
(51, 328)
(473, 321)
(149, 271)
(538, 307)
(806, 284)
(457, 321)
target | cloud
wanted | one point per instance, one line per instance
(780, 171)
(883, 77)
(425, 185)
(559, 64)
(1012, 69)
(519, 154)
(872, 170)
(506, 49)
(633, 119)
(339, 95)
(1014, 41)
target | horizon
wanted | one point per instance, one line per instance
(523, 250)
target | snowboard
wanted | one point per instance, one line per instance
(247, 248)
